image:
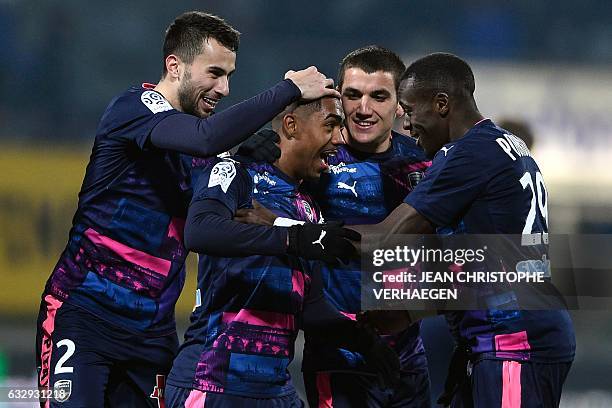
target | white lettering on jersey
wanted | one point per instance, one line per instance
(155, 102)
(264, 177)
(222, 175)
(347, 187)
(510, 143)
(341, 168)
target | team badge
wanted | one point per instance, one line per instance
(308, 211)
(155, 102)
(62, 390)
(414, 178)
(222, 175)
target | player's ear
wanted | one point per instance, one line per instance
(290, 125)
(441, 103)
(172, 66)
(399, 111)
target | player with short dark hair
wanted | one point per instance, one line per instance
(482, 180)
(370, 59)
(249, 309)
(185, 36)
(368, 178)
(106, 330)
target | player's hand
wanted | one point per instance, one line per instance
(256, 215)
(327, 242)
(380, 357)
(262, 146)
(312, 83)
(386, 321)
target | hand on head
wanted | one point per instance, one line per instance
(312, 83)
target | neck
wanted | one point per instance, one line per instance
(284, 165)
(466, 121)
(377, 146)
(168, 89)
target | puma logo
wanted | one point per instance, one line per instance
(320, 240)
(446, 149)
(347, 187)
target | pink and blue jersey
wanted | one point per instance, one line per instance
(363, 188)
(486, 182)
(247, 313)
(125, 254)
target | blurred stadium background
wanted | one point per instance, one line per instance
(544, 62)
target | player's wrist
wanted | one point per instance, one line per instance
(296, 91)
(285, 222)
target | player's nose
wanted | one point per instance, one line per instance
(222, 86)
(338, 137)
(364, 106)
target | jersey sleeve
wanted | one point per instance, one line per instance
(450, 185)
(210, 229)
(133, 115)
(224, 182)
(220, 132)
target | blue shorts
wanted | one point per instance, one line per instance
(178, 397)
(339, 390)
(96, 364)
(516, 384)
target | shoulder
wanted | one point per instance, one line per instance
(133, 104)
(406, 146)
(222, 172)
(491, 146)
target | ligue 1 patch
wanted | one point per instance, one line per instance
(62, 390)
(222, 175)
(155, 102)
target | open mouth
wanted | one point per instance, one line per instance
(325, 155)
(364, 124)
(209, 103)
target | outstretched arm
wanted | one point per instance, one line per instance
(204, 137)
(404, 219)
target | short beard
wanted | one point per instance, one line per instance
(187, 96)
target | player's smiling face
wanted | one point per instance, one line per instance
(370, 106)
(319, 136)
(206, 80)
(422, 119)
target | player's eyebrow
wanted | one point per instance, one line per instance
(220, 71)
(334, 116)
(351, 91)
(380, 92)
